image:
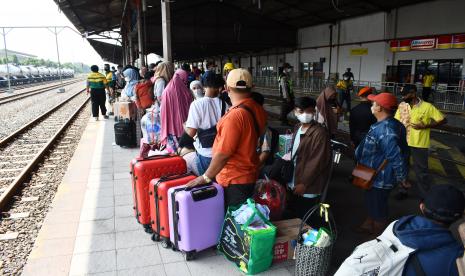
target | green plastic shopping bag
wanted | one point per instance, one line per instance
(250, 250)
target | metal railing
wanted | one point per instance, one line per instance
(445, 97)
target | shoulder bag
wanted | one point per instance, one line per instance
(207, 136)
(364, 176)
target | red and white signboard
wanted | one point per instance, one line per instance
(423, 44)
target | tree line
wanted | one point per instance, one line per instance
(77, 66)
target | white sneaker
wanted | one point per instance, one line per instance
(95, 119)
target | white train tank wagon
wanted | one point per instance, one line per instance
(15, 73)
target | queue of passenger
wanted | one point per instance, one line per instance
(230, 142)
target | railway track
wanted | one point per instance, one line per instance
(15, 97)
(23, 150)
(22, 86)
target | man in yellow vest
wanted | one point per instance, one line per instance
(428, 80)
(96, 86)
(109, 75)
(418, 117)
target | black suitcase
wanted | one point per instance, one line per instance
(125, 133)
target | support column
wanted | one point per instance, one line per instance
(4, 33)
(166, 30)
(330, 50)
(131, 50)
(141, 54)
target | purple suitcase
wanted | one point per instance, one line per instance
(195, 217)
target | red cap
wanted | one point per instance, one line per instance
(385, 99)
(365, 91)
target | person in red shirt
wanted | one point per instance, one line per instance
(235, 159)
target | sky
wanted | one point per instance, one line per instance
(41, 42)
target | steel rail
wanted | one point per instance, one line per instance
(13, 187)
(25, 127)
(12, 98)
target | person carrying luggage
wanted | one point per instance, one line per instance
(235, 159)
(204, 114)
(96, 87)
(383, 149)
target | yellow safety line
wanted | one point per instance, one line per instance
(434, 164)
(457, 155)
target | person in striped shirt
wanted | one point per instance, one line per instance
(96, 86)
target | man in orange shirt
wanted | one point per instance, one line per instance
(235, 158)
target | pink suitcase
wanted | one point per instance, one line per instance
(195, 218)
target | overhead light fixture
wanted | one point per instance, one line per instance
(149, 6)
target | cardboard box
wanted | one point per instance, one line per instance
(125, 110)
(286, 239)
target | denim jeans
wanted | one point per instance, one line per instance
(202, 163)
(376, 202)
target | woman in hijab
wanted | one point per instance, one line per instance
(327, 109)
(175, 103)
(131, 76)
(151, 121)
(163, 74)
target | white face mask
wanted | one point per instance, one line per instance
(126, 79)
(305, 118)
(198, 93)
(373, 109)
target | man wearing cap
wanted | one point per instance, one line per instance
(384, 141)
(286, 92)
(235, 159)
(418, 117)
(361, 118)
(435, 250)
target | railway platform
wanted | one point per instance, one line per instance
(91, 230)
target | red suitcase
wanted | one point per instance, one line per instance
(158, 194)
(144, 170)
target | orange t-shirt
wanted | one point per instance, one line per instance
(237, 137)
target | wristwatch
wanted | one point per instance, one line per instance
(206, 178)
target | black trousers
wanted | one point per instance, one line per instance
(98, 98)
(344, 96)
(425, 93)
(286, 107)
(420, 167)
(237, 194)
(298, 206)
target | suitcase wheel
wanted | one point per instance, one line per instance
(189, 256)
(165, 243)
(148, 229)
(155, 237)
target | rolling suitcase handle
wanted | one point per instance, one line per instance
(157, 207)
(187, 189)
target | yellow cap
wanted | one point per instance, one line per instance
(228, 66)
(239, 78)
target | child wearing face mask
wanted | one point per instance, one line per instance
(197, 89)
(311, 153)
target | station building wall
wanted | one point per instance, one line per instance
(373, 32)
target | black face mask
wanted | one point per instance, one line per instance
(409, 100)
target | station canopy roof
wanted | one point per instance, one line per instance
(202, 28)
